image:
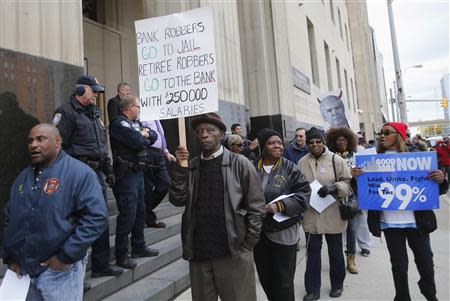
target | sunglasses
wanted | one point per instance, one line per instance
(312, 142)
(386, 133)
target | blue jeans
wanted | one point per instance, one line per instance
(56, 286)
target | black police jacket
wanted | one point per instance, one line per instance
(82, 130)
(127, 141)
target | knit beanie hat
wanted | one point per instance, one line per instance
(265, 134)
(314, 133)
(400, 127)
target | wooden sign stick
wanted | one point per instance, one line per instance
(182, 138)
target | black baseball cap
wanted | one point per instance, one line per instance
(90, 81)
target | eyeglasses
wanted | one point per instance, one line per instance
(312, 142)
(238, 145)
(386, 133)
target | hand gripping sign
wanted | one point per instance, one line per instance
(397, 181)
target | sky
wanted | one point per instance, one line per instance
(422, 29)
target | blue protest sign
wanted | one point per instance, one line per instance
(397, 181)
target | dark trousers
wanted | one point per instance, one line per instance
(129, 193)
(157, 184)
(423, 257)
(314, 262)
(275, 265)
(100, 248)
(352, 225)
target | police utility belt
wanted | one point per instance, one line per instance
(125, 164)
(91, 163)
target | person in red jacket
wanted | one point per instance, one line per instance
(443, 152)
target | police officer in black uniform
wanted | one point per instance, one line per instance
(84, 138)
(129, 143)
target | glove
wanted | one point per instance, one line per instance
(110, 180)
(326, 190)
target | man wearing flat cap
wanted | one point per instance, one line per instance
(84, 138)
(223, 216)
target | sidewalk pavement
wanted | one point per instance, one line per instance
(374, 280)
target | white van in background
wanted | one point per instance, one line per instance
(431, 141)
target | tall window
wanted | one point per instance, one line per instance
(94, 10)
(356, 95)
(347, 91)
(338, 71)
(353, 95)
(340, 23)
(313, 53)
(332, 11)
(328, 62)
(347, 37)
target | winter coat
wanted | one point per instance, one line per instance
(243, 201)
(321, 169)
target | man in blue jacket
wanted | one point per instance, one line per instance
(298, 148)
(55, 212)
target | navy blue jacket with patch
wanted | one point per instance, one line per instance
(127, 140)
(62, 214)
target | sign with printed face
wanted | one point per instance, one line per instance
(177, 65)
(397, 181)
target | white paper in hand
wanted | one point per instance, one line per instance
(318, 203)
(13, 288)
(279, 217)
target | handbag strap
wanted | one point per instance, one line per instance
(334, 168)
(335, 176)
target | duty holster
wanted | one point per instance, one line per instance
(123, 165)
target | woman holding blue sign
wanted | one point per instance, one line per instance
(400, 226)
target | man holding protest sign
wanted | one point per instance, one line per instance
(399, 225)
(223, 216)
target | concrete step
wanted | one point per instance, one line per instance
(151, 235)
(164, 210)
(170, 250)
(163, 284)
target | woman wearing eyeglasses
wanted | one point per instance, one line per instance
(235, 143)
(333, 173)
(276, 252)
(343, 142)
(401, 226)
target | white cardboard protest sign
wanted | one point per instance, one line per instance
(177, 65)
